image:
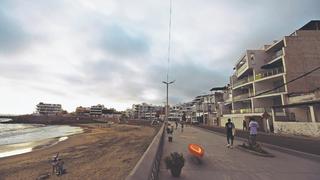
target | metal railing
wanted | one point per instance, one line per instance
(243, 81)
(148, 166)
(268, 73)
(241, 111)
(263, 92)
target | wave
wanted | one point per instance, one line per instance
(29, 133)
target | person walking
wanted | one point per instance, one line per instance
(230, 130)
(182, 124)
(253, 128)
(176, 124)
(244, 125)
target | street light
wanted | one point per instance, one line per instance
(167, 106)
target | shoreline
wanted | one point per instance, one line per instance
(16, 148)
(98, 152)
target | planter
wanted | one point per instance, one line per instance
(175, 172)
(175, 163)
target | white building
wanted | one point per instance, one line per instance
(146, 111)
(48, 109)
(96, 110)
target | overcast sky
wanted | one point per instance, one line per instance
(114, 52)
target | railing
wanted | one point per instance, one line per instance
(148, 166)
(268, 73)
(279, 90)
(262, 110)
(242, 96)
(243, 81)
(241, 111)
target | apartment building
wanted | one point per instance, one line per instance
(146, 111)
(206, 107)
(96, 110)
(269, 77)
(48, 109)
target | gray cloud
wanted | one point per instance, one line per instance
(12, 36)
(124, 41)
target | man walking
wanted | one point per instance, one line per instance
(253, 128)
(230, 134)
(244, 125)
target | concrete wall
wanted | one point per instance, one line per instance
(237, 121)
(298, 128)
(302, 54)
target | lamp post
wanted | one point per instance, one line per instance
(167, 103)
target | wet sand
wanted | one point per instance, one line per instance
(98, 153)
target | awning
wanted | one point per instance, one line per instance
(218, 88)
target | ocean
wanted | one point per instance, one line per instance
(22, 138)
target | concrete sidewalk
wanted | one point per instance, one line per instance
(220, 162)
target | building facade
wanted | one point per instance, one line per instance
(48, 109)
(146, 111)
(272, 76)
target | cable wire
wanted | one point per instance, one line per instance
(299, 77)
(169, 41)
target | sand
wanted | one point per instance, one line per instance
(98, 153)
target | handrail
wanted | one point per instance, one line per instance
(243, 81)
(147, 167)
(268, 73)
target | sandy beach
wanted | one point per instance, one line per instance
(100, 152)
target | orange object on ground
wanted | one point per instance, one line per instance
(196, 150)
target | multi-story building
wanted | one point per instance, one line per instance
(270, 76)
(146, 111)
(48, 109)
(96, 110)
(83, 111)
(205, 107)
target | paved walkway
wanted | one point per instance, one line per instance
(221, 163)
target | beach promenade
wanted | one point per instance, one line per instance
(220, 162)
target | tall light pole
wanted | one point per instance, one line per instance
(169, 54)
(167, 103)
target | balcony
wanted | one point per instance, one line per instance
(269, 73)
(241, 96)
(243, 81)
(262, 110)
(241, 111)
(276, 55)
(242, 68)
(276, 91)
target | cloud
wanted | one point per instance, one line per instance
(124, 42)
(13, 38)
(115, 52)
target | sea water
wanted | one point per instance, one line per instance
(21, 138)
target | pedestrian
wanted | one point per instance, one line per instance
(183, 118)
(253, 128)
(230, 130)
(244, 124)
(176, 124)
(54, 162)
(182, 126)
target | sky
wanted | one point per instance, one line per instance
(114, 52)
